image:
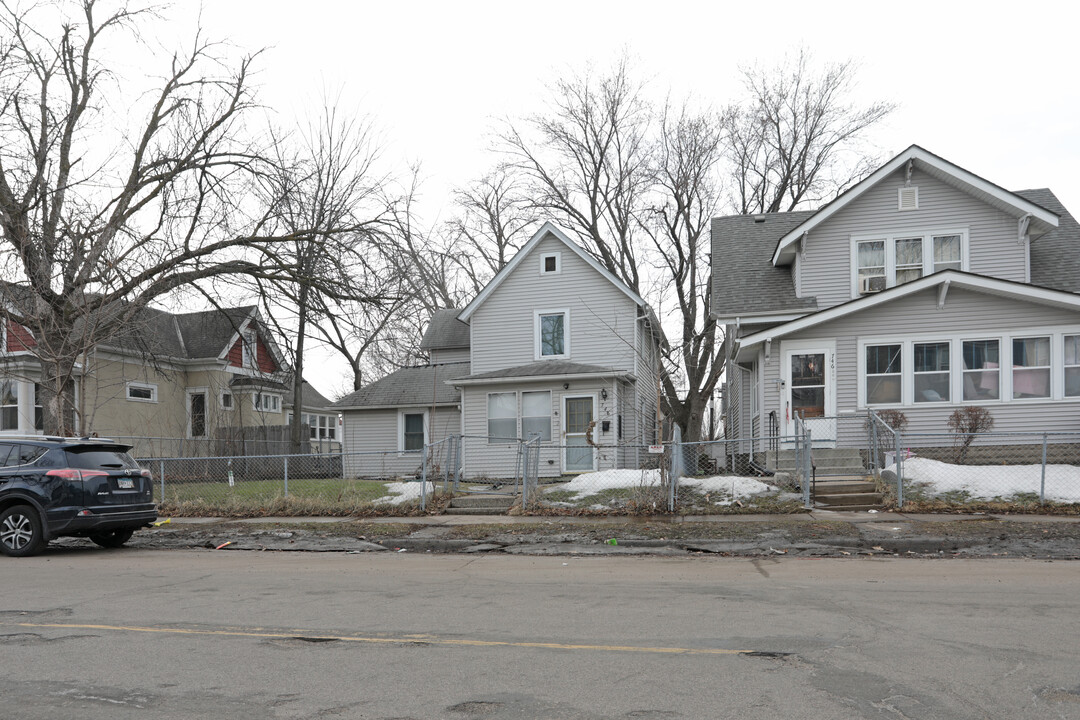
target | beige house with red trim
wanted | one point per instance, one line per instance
(206, 375)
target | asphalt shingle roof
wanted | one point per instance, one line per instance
(541, 369)
(409, 386)
(445, 331)
(206, 333)
(1055, 257)
(744, 279)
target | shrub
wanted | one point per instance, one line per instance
(967, 422)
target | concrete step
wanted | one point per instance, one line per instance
(845, 499)
(475, 511)
(848, 508)
(818, 452)
(841, 487)
(482, 501)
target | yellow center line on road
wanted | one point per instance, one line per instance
(414, 640)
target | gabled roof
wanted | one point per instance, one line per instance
(409, 387)
(547, 228)
(948, 278)
(742, 246)
(1042, 220)
(445, 331)
(207, 334)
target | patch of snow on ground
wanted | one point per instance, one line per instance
(985, 482)
(588, 484)
(403, 492)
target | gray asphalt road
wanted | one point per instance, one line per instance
(185, 634)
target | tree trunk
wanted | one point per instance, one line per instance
(296, 431)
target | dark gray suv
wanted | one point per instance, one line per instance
(85, 487)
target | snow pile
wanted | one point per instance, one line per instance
(402, 492)
(593, 483)
(985, 482)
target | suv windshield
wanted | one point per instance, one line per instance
(91, 458)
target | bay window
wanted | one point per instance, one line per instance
(9, 404)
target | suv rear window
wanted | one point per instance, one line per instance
(99, 459)
(12, 455)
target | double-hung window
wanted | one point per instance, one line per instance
(266, 402)
(536, 415)
(982, 370)
(884, 262)
(9, 404)
(884, 374)
(1072, 365)
(502, 416)
(412, 431)
(552, 335)
(1031, 367)
(931, 372)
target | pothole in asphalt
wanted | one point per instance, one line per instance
(476, 708)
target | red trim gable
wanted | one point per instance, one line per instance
(263, 358)
(19, 338)
(236, 354)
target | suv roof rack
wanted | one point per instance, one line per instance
(57, 438)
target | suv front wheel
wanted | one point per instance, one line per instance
(112, 538)
(20, 531)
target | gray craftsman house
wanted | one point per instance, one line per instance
(554, 346)
(922, 288)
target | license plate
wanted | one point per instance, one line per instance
(125, 483)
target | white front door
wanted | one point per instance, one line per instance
(809, 375)
(578, 415)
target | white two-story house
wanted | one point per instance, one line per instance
(923, 288)
(554, 346)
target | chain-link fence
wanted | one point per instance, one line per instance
(963, 469)
(174, 447)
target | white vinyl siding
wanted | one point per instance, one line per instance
(826, 266)
(967, 316)
(602, 317)
(372, 437)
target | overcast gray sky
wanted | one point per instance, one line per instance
(989, 85)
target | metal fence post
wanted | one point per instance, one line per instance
(161, 466)
(423, 480)
(677, 469)
(1042, 481)
(286, 476)
(808, 470)
(899, 469)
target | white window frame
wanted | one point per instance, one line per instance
(232, 400)
(152, 387)
(249, 348)
(890, 239)
(1049, 368)
(956, 364)
(401, 430)
(952, 364)
(558, 263)
(205, 392)
(487, 416)
(566, 334)
(550, 415)
(260, 406)
(865, 376)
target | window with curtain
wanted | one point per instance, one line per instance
(883, 374)
(909, 259)
(982, 370)
(931, 372)
(947, 252)
(1031, 367)
(9, 405)
(871, 259)
(1072, 366)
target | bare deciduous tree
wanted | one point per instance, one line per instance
(96, 225)
(797, 139)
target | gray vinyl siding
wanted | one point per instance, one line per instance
(601, 316)
(966, 314)
(371, 442)
(497, 460)
(454, 355)
(826, 263)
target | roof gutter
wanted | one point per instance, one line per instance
(619, 374)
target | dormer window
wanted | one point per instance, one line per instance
(551, 263)
(884, 261)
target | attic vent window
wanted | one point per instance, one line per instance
(551, 263)
(760, 219)
(909, 198)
